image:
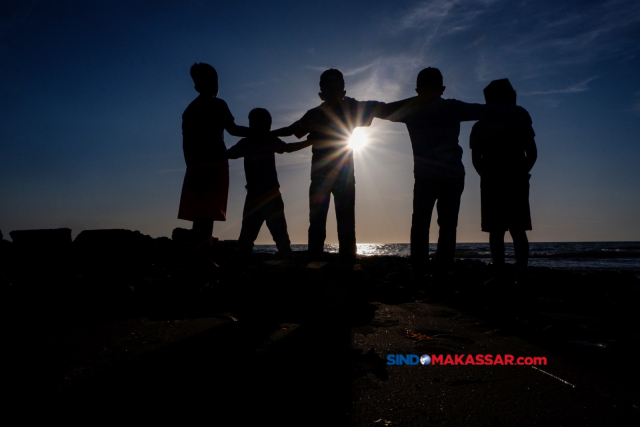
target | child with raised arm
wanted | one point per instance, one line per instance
(264, 201)
(503, 154)
(434, 127)
(206, 182)
(329, 127)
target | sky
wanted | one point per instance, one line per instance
(92, 93)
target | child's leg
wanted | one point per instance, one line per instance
(319, 198)
(521, 248)
(448, 207)
(496, 244)
(344, 197)
(277, 224)
(252, 219)
(424, 199)
(202, 231)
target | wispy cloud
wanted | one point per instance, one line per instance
(345, 71)
(581, 86)
(353, 72)
(558, 38)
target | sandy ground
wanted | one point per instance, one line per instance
(300, 344)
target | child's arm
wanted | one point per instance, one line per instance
(236, 151)
(531, 151)
(295, 146)
(396, 111)
(286, 131)
(464, 112)
(299, 128)
(236, 130)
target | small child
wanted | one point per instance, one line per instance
(332, 169)
(503, 153)
(206, 182)
(264, 201)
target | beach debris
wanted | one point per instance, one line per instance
(418, 336)
(553, 376)
(227, 316)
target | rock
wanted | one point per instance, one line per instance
(113, 245)
(181, 235)
(59, 238)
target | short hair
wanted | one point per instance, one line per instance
(332, 79)
(500, 92)
(259, 117)
(203, 74)
(429, 77)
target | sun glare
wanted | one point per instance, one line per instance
(358, 139)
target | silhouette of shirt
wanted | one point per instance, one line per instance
(434, 129)
(203, 124)
(502, 145)
(259, 161)
(330, 128)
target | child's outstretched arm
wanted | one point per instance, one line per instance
(236, 130)
(286, 131)
(295, 146)
(236, 151)
(299, 129)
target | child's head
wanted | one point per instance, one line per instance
(205, 78)
(500, 92)
(429, 81)
(332, 86)
(260, 120)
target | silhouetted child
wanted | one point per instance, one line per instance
(503, 154)
(206, 182)
(329, 127)
(434, 127)
(264, 201)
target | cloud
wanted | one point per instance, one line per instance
(426, 14)
(575, 88)
(345, 71)
(554, 39)
(357, 70)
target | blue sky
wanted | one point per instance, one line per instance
(91, 97)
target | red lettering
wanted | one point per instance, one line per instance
(539, 360)
(448, 360)
(498, 360)
(479, 359)
(488, 359)
(508, 359)
(458, 359)
(469, 360)
(436, 359)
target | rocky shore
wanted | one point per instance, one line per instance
(113, 316)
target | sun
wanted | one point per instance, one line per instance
(358, 139)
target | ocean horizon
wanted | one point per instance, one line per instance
(581, 256)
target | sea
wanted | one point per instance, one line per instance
(578, 256)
